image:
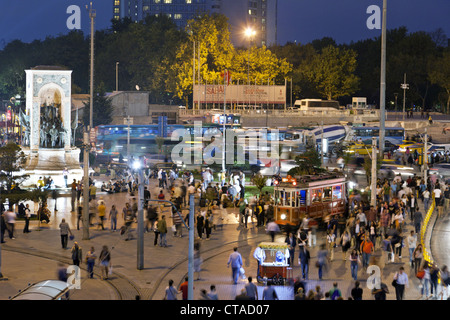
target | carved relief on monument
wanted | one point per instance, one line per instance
(52, 132)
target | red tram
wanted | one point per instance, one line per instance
(316, 195)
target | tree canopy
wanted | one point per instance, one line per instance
(158, 56)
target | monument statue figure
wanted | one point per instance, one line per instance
(53, 135)
(24, 121)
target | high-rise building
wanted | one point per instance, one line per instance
(257, 15)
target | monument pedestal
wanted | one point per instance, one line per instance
(51, 163)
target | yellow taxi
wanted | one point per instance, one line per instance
(359, 148)
(411, 145)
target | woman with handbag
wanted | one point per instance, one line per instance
(402, 281)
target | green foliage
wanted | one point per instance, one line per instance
(332, 72)
(259, 181)
(102, 111)
(307, 163)
(12, 161)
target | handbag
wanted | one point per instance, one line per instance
(420, 274)
(394, 283)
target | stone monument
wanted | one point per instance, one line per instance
(47, 127)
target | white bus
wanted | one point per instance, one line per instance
(317, 104)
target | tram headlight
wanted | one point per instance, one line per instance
(283, 217)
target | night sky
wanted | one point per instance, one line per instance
(298, 20)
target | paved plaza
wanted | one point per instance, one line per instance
(32, 257)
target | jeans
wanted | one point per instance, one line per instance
(426, 204)
(354, 270)
(162, 239)
(113, 223)
(411, 251)
(425, 287)
(90, 268)
(320, 271)
(304, 267)
(365, 259)
(235, 274)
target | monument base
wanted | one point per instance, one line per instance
(51, 163)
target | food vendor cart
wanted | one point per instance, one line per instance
(273, 262)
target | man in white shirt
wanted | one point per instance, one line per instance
(402, 281)
(412, 243)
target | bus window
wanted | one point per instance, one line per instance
(327, 194)
(316, 195)
(337, 192)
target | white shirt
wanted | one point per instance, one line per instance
(437, 193)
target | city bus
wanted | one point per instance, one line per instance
(394, 135)
(317, 104)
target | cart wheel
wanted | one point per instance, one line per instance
(277, 279)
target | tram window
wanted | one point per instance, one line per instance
(316, 195)
(337, 192)
(288, 198)
(302, 197)
(327, 194)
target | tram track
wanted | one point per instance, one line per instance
(124, 288)
(205, 257)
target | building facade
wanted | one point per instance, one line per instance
(259, 15)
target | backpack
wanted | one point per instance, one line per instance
(336, 294)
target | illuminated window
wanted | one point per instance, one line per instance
(177, 16)
(188, 1)
(157, 1)
(167, 1)
(117, 2)
(116, 10)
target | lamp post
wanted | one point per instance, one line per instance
(383, 81)
(249, 34)
(117, 76)
(138, 165)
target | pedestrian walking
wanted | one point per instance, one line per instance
(105, 262)
(73, 194)
(251, 289)
(235, 261)
(77, 254)
(162, 229)
(272, 228)
(90, 261)
(64, 232)
(401, 282)
(113, 218)
(171, 292)
(366, 250)
(200, 224)
(354, 263)
(291, 241)
(27, 211)
(303, 260)
(10, 219)
(269, 292)
(321, 260)
(101, 209)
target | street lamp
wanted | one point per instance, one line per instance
(249, 34)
